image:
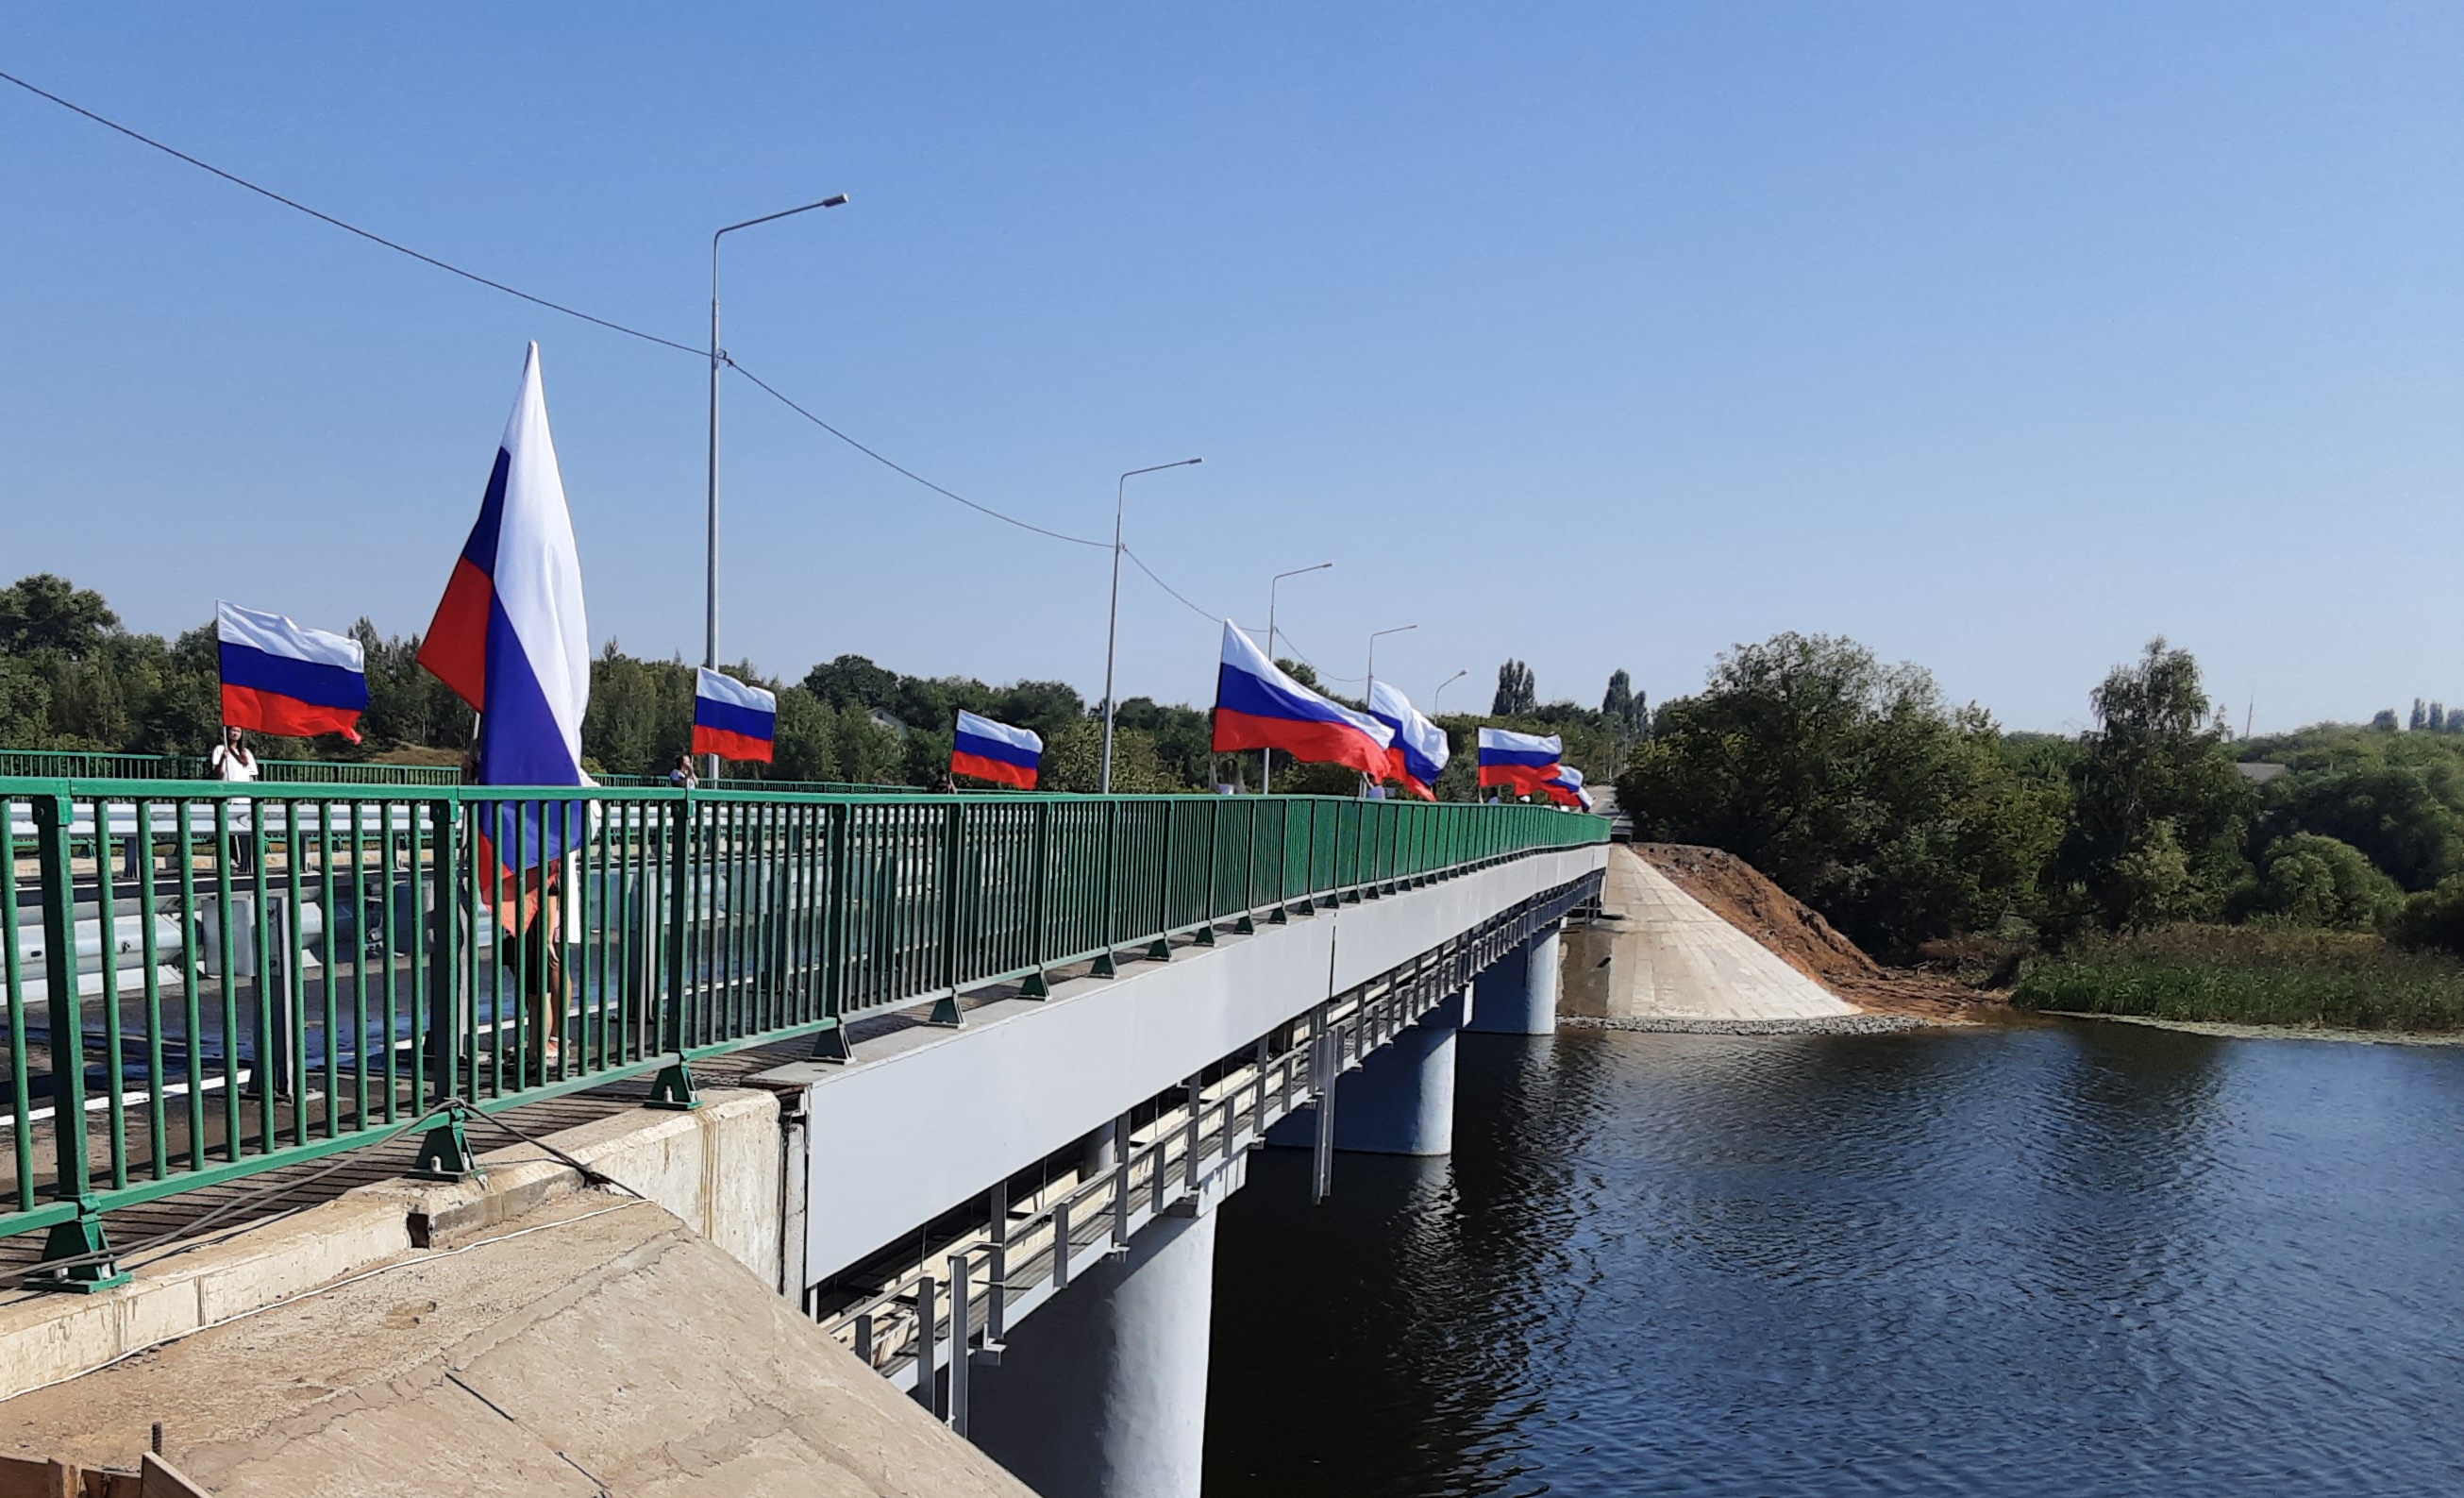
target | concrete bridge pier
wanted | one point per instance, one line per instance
(1102, 1394)
(1518, 993)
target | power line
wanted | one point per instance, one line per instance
(473, 276)
(372, 238)
(896, 468)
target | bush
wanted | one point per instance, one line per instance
(2311, 880)
(2253, 975)
(2432, 920)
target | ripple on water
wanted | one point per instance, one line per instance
(2074, 1259)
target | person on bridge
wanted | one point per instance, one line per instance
(682, 776)
(234, 764)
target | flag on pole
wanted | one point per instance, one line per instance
(510, 637)
(731, 720)
(1257, 706)
(1566, 788)
(1521, 762)
(1419, 753)
(996, 751)
(279, 678)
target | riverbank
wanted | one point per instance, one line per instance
(2290, 981)
(2227, 1030)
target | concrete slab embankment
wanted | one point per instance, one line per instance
(716, 1168)
(527, 1334)
(1659, 955)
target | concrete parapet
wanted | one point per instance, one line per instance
(718, 1168)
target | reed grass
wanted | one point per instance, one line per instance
(2250, 975)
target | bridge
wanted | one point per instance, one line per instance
(1005, 1054)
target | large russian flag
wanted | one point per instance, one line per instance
(1257, 706)
(279, 678)
(1419, 753)
(997, 751)
(510, 636)
(1521, 762)
(1566, 788)
(731, 720)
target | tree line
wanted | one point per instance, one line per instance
(71, 677)
(1905, 819)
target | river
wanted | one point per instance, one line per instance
(2060, 1258)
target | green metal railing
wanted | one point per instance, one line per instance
(202, 985)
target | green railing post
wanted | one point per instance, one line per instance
(1105, 899)
(830, 1044)
(1159, 950)
(77, 1247)
(1247, 925)
(674, 1088)
(946, 1011)
(1213, 860)
(1039, 904)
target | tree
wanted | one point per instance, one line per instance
(2420, 717)
(1517, 692)
(1851, 785)
(1074, 761)
(2408, 820)
(48, 613)
(2383, 720)
(2309, 880)
(2152, 788)
(1622, 708)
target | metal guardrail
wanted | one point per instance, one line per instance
(203, 984)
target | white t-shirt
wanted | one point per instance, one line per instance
(230, 766)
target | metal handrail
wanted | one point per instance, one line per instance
(204, 981)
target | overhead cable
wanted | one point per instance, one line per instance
(372, 238)
(450, 269)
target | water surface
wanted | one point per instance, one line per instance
(2075, 1258)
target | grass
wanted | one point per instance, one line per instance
(2250, 975)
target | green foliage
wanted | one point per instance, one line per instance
(1518, 691)
(49, 615)
(2309, 880)
(1074, 761)
(2157, 809)
(2250, 975)
(2432, 920)
(1851, 784)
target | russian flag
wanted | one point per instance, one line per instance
(1566, 788)
(997, 751)
(279, 678)
(1259, 707)
(731, 720)
(1521, 762)
(510, 636)
(1419, 753)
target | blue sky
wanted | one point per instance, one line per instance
(1998, 337)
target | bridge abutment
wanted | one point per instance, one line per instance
(1102, 1394)
(1518, 993)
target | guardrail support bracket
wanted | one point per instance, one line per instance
(1035, 985)
(77, 1239)
(1205, 935)
(1104, 968)
(674, 1088)
(830, 1044)
(947, 1014)
(1159, 950)
(445, 1155)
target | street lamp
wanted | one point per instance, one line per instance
(710, 585)
(1266, 757)
(1371, 699)
(1439, 693)
(1112, 630)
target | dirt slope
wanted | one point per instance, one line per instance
(1738, 892)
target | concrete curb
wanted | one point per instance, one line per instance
(716, 1167)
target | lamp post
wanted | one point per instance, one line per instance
(1434, 698)
(1112, 630)
(1266, 757)
(710, 584)
(1370, 700)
